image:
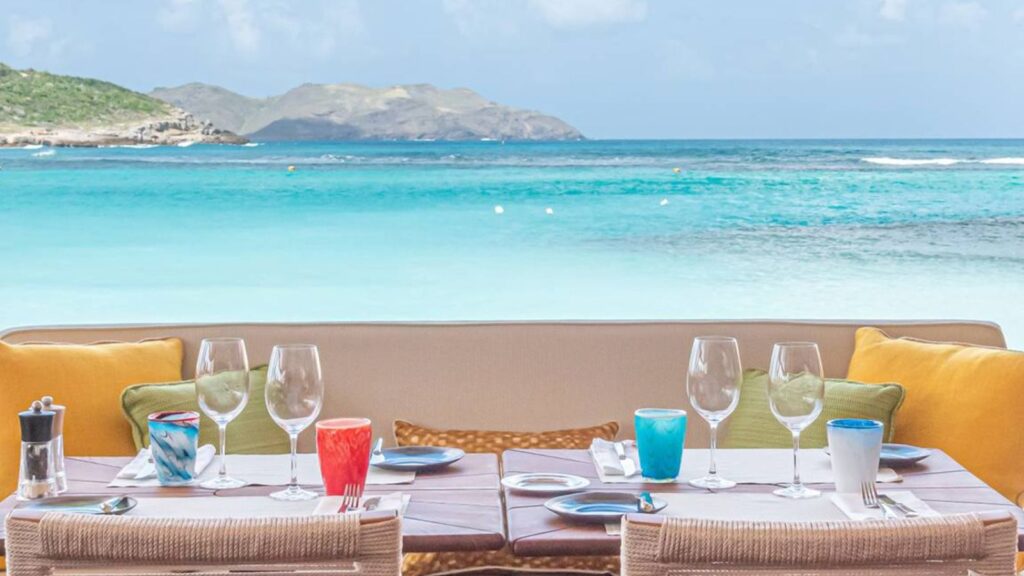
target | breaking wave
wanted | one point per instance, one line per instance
(887, 161)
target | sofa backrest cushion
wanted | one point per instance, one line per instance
(515, 376)
(88, 380)
(753, 425)
(253, 431)
(964, 400)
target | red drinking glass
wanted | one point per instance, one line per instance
(343, 446)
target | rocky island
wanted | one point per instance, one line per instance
(53, 110)
(40, 108)
(355, 112)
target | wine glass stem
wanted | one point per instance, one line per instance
(796, 462)
(295, 462)
(223, 430)
(713, 469)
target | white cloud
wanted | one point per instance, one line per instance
(27, 36)
(583, 13)
(490, 18)
(895, 10)
(179, 15)
(964, 14)
(241, 23)
(254, 25)
(484, 18)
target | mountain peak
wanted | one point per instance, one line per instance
(356, 112)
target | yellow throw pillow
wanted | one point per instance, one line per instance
(488, 441)
(88, 379)
(964, 400)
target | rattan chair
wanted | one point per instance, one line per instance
(44, 544)
(985, 544)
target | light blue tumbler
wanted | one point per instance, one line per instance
(660, 433)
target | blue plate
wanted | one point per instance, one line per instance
(600, 506)
(418, 458)
(896, 455)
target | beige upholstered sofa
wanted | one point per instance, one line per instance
(515, 375)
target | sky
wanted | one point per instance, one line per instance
(612, 68)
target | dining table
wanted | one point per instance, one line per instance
(533, 530)
(456, 508)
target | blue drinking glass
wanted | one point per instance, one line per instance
(660, 433)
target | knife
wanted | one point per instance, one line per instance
(903, 508)
(628, 466)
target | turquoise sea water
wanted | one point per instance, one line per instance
(409, 231)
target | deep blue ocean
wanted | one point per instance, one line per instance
(486, 230)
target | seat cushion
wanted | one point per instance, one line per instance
(965, 400)
(495, 442)
(88, 379)
(251, 432)
(753, 425)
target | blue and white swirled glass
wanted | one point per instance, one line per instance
(173, 442)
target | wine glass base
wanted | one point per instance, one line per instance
(797, 492)
(713, 483)
(294, 494)
(222, 483)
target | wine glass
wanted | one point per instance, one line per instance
(796, 392)
(222, 388)
(294, 393)
(713, 385)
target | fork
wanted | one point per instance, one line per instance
(869, 494)
(350, 497)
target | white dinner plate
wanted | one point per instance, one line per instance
(542, 483)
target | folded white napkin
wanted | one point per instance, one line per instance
(607, 460)
(393, 501)
(853, 506)
(609, 467)
(143, 468)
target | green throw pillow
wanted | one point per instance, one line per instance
(753, 425)
(251, 432)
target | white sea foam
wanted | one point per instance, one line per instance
(185, 144)
(1010, 161)
(31, 146)
(45, 153)
(250, 144)
(886, 161)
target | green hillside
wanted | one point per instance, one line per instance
(32, 98)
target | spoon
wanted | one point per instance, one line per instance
(378, 451)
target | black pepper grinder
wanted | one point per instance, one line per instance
(37, 477)
(58, 442)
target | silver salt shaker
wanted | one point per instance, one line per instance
(58, 442)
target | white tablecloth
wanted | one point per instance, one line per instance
(275, 470)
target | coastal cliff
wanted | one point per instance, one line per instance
(355, 112)
(54, 110)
